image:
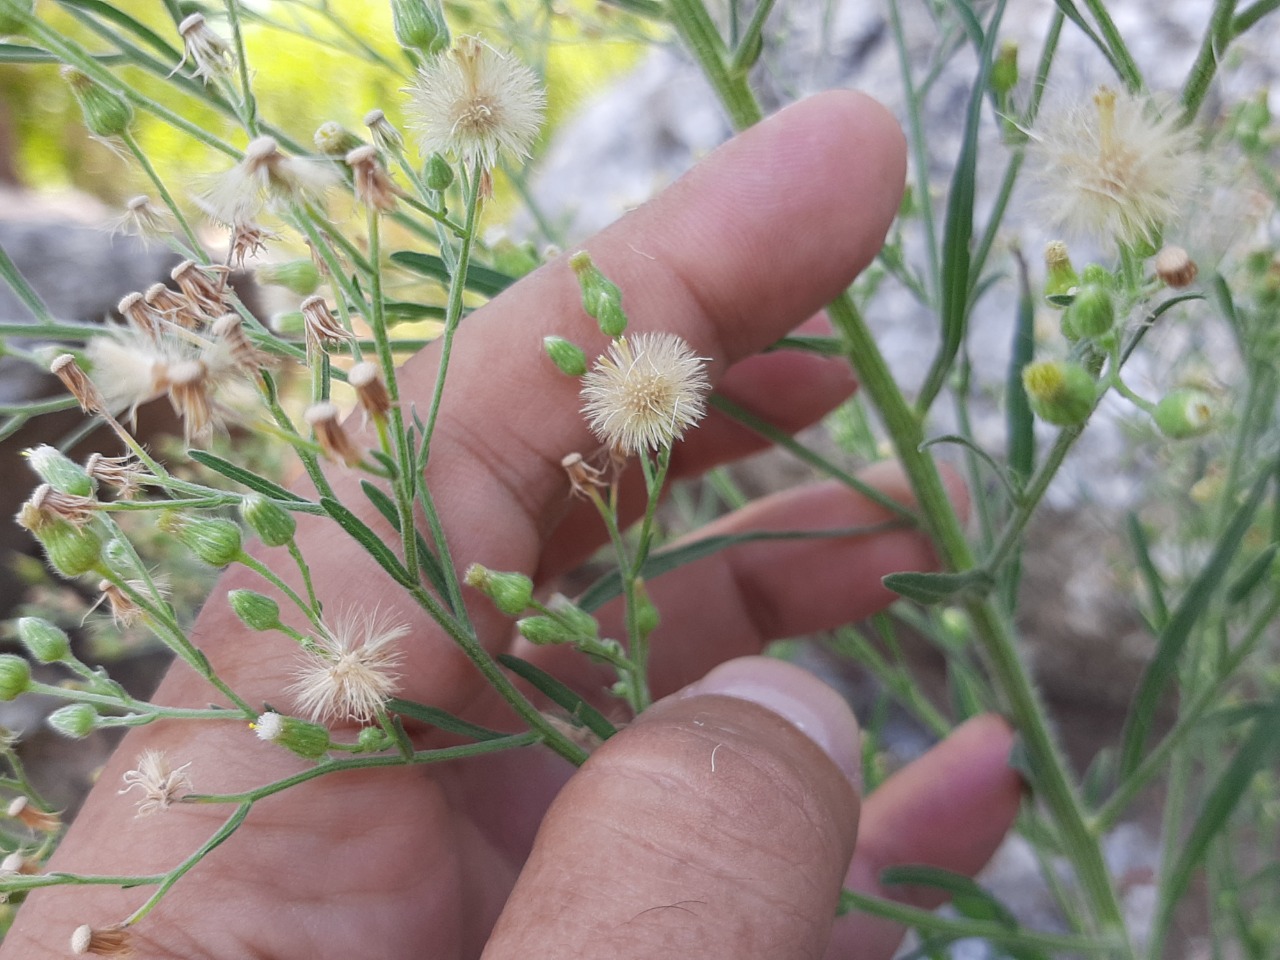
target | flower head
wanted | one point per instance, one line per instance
(265, 174)
(1116, 167)
(209, 53)
(160, 782)
(349, 670)
(104, 942)
(645, 392)
(474, 102)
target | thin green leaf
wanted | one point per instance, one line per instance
(484, 280)
(10, 274)
(122, 19)
(1163, 667)
(931, 588)
(958, 231)
(1147, 568)
(244, 477)
(1254, 754)
(562, 696)
(430, 563)
(358, 531)
(1070, 11)
(610, 585)
(823, 346)
(969, 899)
(442, 720)
(1251, 575)
(1001, 473)
(1021, 448)
(404, 311)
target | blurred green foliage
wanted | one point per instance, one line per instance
(312, 61)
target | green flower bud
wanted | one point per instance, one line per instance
(1095, 273)
(15, 676)
(510, 592)
(1060, 276)
(420, 25)
(545, 631)
(1059, 393)
(334, 140)
(75, 720)
(1092, 313)
(601, 298)
(1252, 118)
(568, 356)
(1184, 413)
(1004, 72)
(439, 175)
(256, 611)
(290, 323)
(45, 642)
(647, 616)
(273, 524)
(372, 739)
(515, 259)
(58, 471)
(216, 542)
(106, 114)
(297, 276)
(309, 740)
(72, 550)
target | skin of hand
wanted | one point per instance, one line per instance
(712, 823)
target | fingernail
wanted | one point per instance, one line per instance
(798, 697)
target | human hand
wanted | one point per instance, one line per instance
(642, 850)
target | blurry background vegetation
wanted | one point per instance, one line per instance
(313, 60)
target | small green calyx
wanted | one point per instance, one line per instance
(1183, 414)
(106, 114)
(439, 175)
(601, 298)
(1059, 393)
(59, 471)
(567, 356)
(512, 593)
(420, 25)
(75, 720)
(256, 611)
(274, 525)
(15, 676)
(306, 739)
(217, 542)
(1092, 313)
(45, 642)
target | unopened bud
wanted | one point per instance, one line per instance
(1174, 267)
(106, 114)
(297, 276)
(1060, 276)
(72, 550)
(334, 140)
(273, 524)
(309, 740)
(371, 391)
(569, 357)
(1184, 413)
(568, 623)
(59, 472)
(372, 739)
(256, 611)
(601, 297)
(1092, 313)
(1004, 72)
(45, 642)
(510, 592)
(217, 542)
(15, 675)
(646, 614)
(420, 25)
(1059, 393)
(75, 720)
(439, 175)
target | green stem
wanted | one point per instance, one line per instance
(178, 872)
(26, 293)
(1036, 488)
(453, 309)
(1250, 15)
(1123, 59)
(249, 114)
(700, 36)
(154, 177)
(1217, 37)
